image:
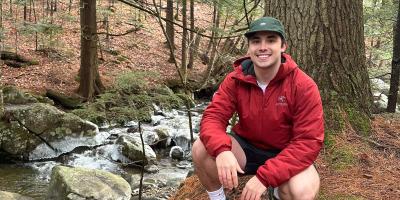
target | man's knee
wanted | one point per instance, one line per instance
(199, 152)
(299, 193)
(303, 186)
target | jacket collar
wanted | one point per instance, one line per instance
(244, 69)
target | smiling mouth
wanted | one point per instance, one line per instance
(264, 56)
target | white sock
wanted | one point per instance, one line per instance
(217, 195)
(276, 193)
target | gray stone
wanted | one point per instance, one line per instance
(151, 168)
(176, 153)
(81, 184)
(13, 196)
(132, 148)
(31, 125)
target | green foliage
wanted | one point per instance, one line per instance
(132, 82)
(168, 101)
(379, 17)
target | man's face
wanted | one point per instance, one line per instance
(265, 49)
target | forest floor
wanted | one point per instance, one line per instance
(374, 169)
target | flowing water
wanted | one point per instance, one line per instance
(32, 179)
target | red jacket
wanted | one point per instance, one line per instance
(287, 117)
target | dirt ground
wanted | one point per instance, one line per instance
(375, 171)
(373, 176)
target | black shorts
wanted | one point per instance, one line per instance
(255, 157)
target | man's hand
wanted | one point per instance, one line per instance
(253, 190)
(228, 167)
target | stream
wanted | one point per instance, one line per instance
(160, 179)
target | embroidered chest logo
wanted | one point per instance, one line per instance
(281, 101)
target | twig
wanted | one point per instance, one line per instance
(143, 159)
(380, 76)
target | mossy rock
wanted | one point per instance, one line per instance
(70, 102)
(11, 95)
(91, 114)
(168, 101)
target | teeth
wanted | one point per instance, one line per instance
(263, 56)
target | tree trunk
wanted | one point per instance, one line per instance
(184, 41)
(170, 28)
(191, 38)
(394, 77)
(326, 39)
(90, 83)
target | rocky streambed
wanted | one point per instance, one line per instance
(110, 149)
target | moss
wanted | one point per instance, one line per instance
(12, 95)
(121, 115)
(168, 101)
(329, 140)
(92, 114)
(334, 118)
(359, 121)
(131, 83)
(139, 101)
(341, 158)
(130, 99)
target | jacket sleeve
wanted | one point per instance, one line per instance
(216, 117)
(306, 142)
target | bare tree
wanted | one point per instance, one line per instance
(170, 28)
(90, 83)
(394, 77)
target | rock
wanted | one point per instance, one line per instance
(132, 148)
(134, 181)
(184, 164)
(13, 196)
(81, 184)
(149, 136)
(12, 95)
(155, 119)
(176, 152)
(151, 169)
(133, 129)
(164, 139)
(70, 102)
(34, 131)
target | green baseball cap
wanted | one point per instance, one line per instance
(266, 24)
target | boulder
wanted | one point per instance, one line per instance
(13, 196)
(34, 131)
(81, 184)
(177, 152)
(11, 95)
(132, 148)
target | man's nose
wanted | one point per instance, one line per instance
(263, 45)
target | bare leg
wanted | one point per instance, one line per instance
(303, 186)
(205, 166)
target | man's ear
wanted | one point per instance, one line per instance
(284, 47)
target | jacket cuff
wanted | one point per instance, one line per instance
(220, 150)
(263, 181)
